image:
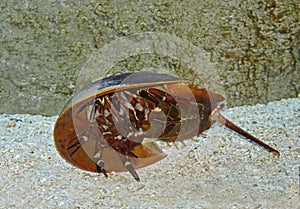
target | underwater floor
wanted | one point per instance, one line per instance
(220, 170)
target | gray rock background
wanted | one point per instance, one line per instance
(44, 44)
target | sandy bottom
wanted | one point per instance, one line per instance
(220, 170)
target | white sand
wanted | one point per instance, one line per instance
(221, 170)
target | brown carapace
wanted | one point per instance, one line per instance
(111, 124)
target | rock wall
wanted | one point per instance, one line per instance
(44, 44)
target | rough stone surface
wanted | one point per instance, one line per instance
(44, 44)
(218, 170)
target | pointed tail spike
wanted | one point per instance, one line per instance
(220, 118)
